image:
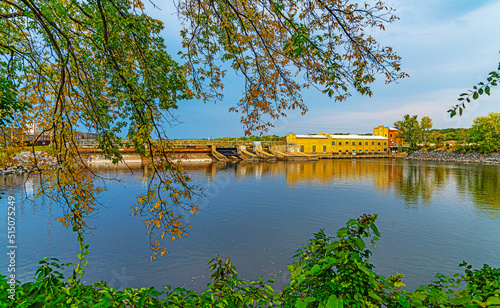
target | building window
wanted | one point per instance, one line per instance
(379, 144)
(386, 135)
(379, 150)
(333, 142)
(314, 149)
(353, 151)
(373, 151)
(340, 151)
(366, 151)
(324, 149)
(385, 143)
(353, 143)
(302, 148)
(340, 142)
(373, 143)
(360, 143)
(366, 143)
(360, 151)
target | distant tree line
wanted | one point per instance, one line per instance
(483, 136)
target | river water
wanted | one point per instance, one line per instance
(432, 216)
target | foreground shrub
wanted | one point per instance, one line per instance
(329, 272)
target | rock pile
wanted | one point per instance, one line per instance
(469, 157)
(23, 163)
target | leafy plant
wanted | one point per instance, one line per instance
(334, 271)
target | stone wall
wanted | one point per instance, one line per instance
(469, 157)
(23, 163)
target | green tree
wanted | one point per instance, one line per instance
(438, 138)
(464, 136)
(409, 130)
(10, 106)
(425, 127)
(102, 65)
(485, 132)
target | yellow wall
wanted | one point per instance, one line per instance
(342, 144)
(381, 131)
(390, 134)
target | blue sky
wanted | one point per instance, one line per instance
(447, 46)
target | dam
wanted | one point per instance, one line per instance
(201, 151)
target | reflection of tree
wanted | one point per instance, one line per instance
(416, 183)
(482, 185)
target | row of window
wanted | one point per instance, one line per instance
(340, 151)
(354, 143)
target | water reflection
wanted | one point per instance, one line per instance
(481, 185)
(260, 213)
(413, 182)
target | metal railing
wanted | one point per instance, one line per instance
(181, 143)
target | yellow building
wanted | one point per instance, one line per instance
(391, 133)
(325, 143)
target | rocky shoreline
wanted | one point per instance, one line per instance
(469, 157)
(23, 161)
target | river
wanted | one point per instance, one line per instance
(432, 216)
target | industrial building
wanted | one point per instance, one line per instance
(326, 143)
(391, 134)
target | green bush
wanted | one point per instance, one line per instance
(328, 272)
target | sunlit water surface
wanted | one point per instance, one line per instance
(431, 216)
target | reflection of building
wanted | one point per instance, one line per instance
(328, 171)
(390, 133)
(325, 143)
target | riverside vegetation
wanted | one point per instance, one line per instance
(328, 271)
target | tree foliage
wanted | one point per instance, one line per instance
(409, 129)
(485, 132)
(478, 90)
(10, 106)
(425, 127)
(414, 132)
(102, 66)
(273, 43)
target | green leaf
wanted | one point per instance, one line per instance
(487, 90)
(374, 295)
(493, 300)
(316, 268)
(333, 302)
(475, 95)
(460, 300)
(360, 243)
(341, 232)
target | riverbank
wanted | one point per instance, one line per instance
(23, 163)
(452, 156)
